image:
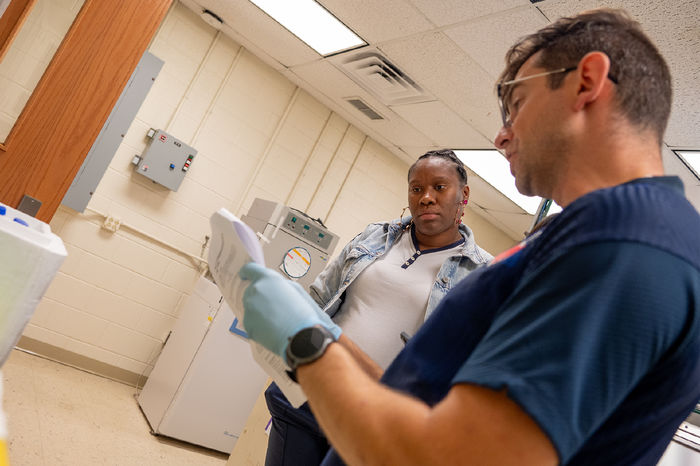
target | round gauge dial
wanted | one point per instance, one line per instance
(297, 262)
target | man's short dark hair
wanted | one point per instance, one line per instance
(444, 154)
(643, 81)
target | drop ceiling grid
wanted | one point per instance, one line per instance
(251, 22)
(446, 12)
(378, 21)
(438, 64)
(488, 48)
(442, 124)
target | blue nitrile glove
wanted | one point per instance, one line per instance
(277, 308)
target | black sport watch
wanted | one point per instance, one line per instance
(307, 345)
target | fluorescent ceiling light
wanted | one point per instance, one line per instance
(493, 167)
(311, 23)
(691, 158)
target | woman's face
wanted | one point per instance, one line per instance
(435, 196)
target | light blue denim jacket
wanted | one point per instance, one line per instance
(328, 288)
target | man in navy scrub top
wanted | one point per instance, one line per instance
(579, 346)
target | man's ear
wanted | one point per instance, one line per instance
(592, 73)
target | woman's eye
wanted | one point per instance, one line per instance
(440, 187)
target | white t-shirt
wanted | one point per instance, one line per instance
(389, 297)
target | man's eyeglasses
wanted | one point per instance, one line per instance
(505, 112)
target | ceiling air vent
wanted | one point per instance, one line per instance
(364, 108)
(376, 74)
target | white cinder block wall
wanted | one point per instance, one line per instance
(258, 135)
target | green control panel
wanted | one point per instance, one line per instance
(306, 228)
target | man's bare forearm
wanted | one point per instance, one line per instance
(366, 363)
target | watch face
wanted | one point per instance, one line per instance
(307, 342)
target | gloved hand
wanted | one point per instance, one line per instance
(277, 308)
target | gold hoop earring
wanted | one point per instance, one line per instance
(400, 222)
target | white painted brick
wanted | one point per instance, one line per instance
(113, 307)
(129, 343)
(200, 198)
(71, 264)
(138, 258)
(184, 127)
(180, 276)
(155, 324)
(201, 95)
(156, 230)
(45, 335)
(103, 273)
(153, 294)
(190, 223)
(59, 218)
(69, 291)
(107, 357)
(159, 105)
(70, 322)
(221, 56)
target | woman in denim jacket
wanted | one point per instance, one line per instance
(415, 261)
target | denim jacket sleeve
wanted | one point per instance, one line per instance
(328, 282)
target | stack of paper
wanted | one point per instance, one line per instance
(233, 244)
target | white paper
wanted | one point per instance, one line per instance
(233, 244)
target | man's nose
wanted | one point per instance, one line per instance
(502, 137)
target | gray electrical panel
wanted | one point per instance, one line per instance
(102, 151)
(166, 159)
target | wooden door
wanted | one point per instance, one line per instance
(46, 147)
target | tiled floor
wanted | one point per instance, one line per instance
(58, 415)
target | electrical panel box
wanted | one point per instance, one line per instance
(166, 160)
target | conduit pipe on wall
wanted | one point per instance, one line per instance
(268, 148)
(192, 82)
(328, 166)
(200, 262)
(308, 159)
(347, 175)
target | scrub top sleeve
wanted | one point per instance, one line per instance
(578, 334)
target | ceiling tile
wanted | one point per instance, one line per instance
(254, 29)
(445, 127)
(379, 20)
(478, 41)
(440, 66)
(447, 12)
